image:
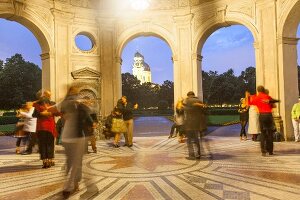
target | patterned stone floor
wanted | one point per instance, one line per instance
(156, 168)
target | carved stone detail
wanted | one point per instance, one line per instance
(221, 14)
(247, 9)
(19, 6)
(86, 73)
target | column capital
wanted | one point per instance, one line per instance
(287, 40)
(197, 56)
(174, 58)
(256, 45)
(118, 60)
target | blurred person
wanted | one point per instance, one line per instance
(193, 109)
(75, 116)
(59, 127)
(244, 117)
(296, 120)
(46, 131)
(179, 120)
(253, 126)
(20, 134)
(126, 109)
(29, 126)
(91, 124)
(264, 103)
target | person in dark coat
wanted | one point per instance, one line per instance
(193, 110)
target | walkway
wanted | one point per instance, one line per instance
(156, 168)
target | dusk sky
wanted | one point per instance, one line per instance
(230, 47)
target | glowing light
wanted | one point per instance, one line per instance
(140, 4)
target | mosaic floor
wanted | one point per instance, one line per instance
(156, 168)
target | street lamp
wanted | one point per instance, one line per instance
(140, 4)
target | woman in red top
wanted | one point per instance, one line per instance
(46, 131)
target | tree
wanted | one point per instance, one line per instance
(166, 92)
(19, 82)
(1, 65)
(130, 87)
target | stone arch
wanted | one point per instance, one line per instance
(153, 30)
(44, 39)
(212, 25)
(134, 32)
(205, 30)
(287, 62)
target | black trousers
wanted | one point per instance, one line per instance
(243, 128)
(267, 129)
(46, 145)
(193, 143)
(32, 138)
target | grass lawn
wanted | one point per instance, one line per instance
(223, 119)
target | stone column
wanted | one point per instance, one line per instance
(267, 55)
(176, 76)
(183, 69)
(288, 76)
(197, 71)
(63, 36)
(48, 72)
(268, 73)
(109, 68)
(118, 81)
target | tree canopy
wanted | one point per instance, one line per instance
(19, 82)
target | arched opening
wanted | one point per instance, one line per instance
(147, 79)
(41, 48)
(288, 71)
(21, 74)
(228, 69)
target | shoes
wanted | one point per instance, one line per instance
(66, 194)
(241, 138)
(129, 145)
(271, 153)
(76, 187)
(46, 164)
(263, 154)
(198, 157)
(125, 145)
(26, 152)
(18, 150)
(116, 145)
(95, 151)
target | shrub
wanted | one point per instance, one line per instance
(11, 113)
(8, 120)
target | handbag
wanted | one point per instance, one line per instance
(118, 126)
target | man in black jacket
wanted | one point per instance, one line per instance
(193, 109)
(126, 109)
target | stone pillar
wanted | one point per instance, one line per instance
(267, 70)
(267, 56)
(118, 81)
(183, 69)
(176, 76)
(288, 76)
(109, 68)
(63, 37)
(197, 71)
(48, 72)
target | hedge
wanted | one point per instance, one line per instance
(12, 113)
(8, 120)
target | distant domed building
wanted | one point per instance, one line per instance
(140, 69)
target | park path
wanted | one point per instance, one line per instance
(156, 168)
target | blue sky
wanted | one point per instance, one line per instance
(230, 47)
